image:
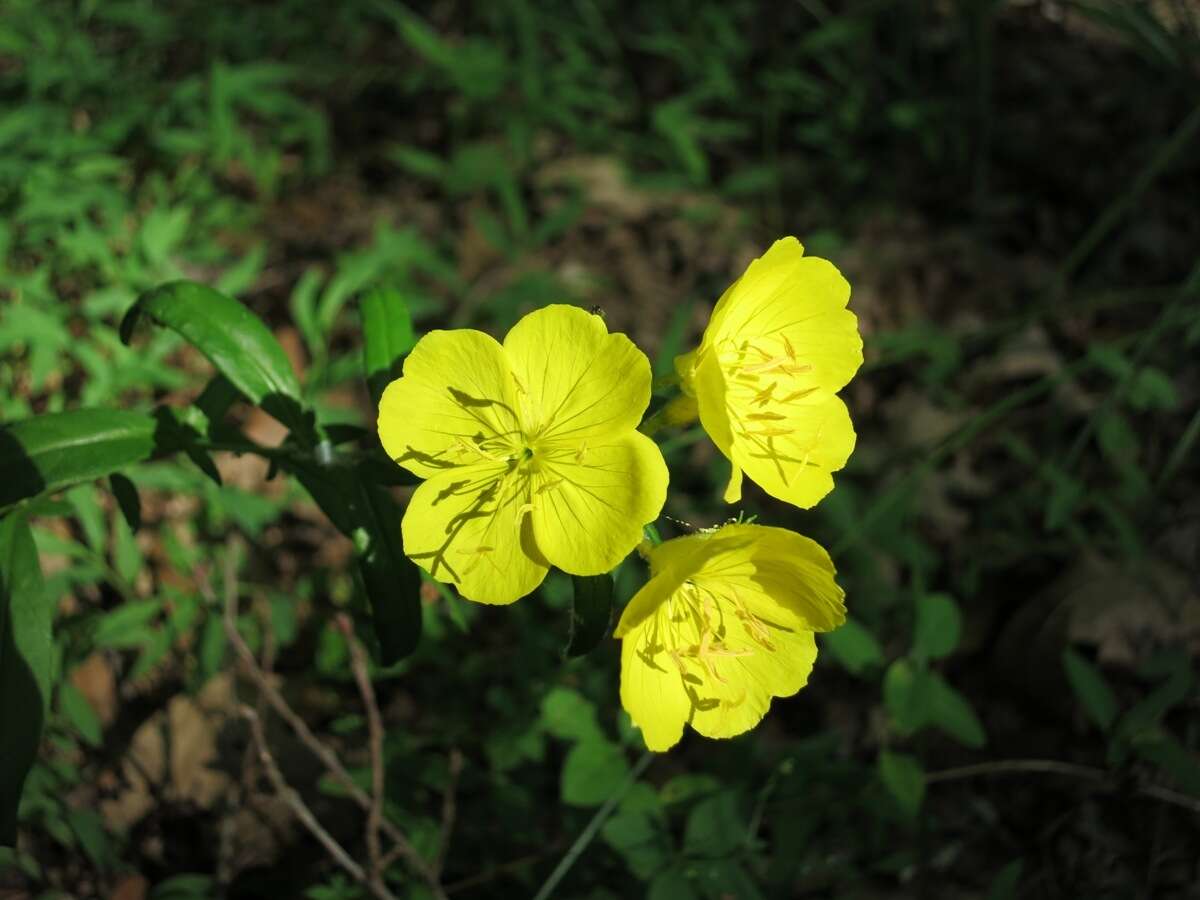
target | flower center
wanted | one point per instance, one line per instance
(764, 380)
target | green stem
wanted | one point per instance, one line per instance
(593, 828)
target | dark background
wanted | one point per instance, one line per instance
(1012, 189)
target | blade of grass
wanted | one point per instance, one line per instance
(593, 828)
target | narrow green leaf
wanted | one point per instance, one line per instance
(902, 696)
(127, 499)
(938, 627)
(1004, 885)
(950, 711)
(591, 613)
(1091, 689)
(26, 664)
(233, 339)
(391, 580)
(78, 711)
(387, 336)
(1172, 757)
(54, 451)
(904, 778)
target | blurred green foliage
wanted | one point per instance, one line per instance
(299, 155)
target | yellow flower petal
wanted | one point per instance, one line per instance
(779, 344)
(452, 407)
(576, 381)
(652, 691)
(790, 446)
(791, 308)
(470, 527)
(728, 709)
(727, 621)
(591, 498)
(529, 449)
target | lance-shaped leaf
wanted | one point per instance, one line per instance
(387, 336)
(54, 451)
(235, 341)
(26, 664)
(591, 614)
(366, 514)
(392, 581)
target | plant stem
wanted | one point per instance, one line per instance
(593, 828)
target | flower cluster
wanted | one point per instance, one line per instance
(531, 458)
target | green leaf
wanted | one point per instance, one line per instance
(391, 580)
(127, 498)
(950, 711)
(917, 698)
(639, 839)
(93, 838)
(671, 884)
(853, 646)
(938, 627)
(26, 664)
(591, 612)
(904, 778)
(1004, 885)
(715, 827)
(1172, 757)
(570, 716)
(387, 336)
(54, 451)
(185, 887)
(233, 339)
(594, 770)
(127, 625)
(720, 879)
(1093, 692)
(78, 711)
(902, 696)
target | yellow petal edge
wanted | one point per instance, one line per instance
(779, 345)
(529, 451)
(724, 624)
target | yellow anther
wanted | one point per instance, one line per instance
(796, 395)
(581, 452)
(763, 397)
(766, 416)
(548, 485)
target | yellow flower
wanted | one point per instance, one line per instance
(778, 347)
(724, 624)
(529, 452)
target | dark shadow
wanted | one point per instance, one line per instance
(19, 477)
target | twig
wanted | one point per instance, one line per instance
(358, 665)
(449, 808)
(494, 872)
(1053, 767)
(305, 735)
(593, 827)
(301, 811)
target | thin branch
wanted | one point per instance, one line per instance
(305, 735)
(362, 677)
(301, 811)
(1053, 767)
(449, 808)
